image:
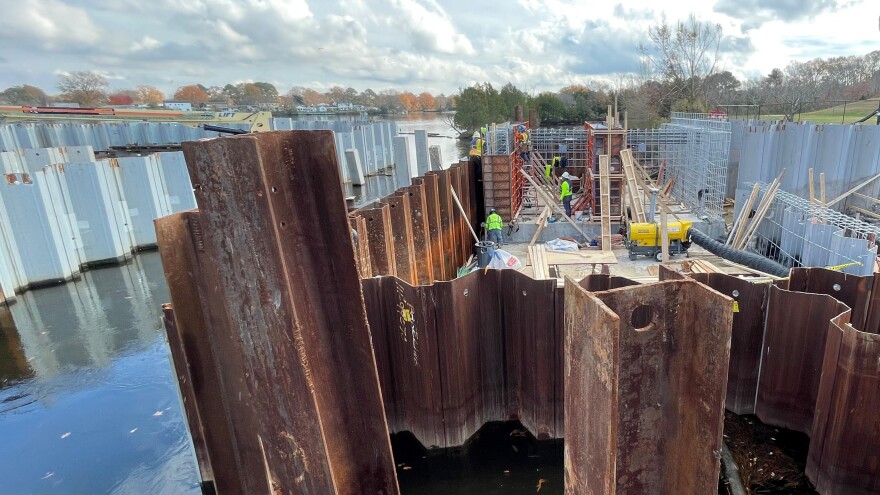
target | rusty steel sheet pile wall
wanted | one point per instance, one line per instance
(264, 278)
(455, 355)
(798, 362)
(645, 375)
(418, 233)
(793, 351)
(844, 455)
(747, 335)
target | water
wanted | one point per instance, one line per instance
(88, 401)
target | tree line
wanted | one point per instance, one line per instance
(681, 71)
(91, 89)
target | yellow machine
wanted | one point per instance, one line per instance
(644, 238)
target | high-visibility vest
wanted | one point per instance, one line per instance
(477, 148)
(566, 189)
(494, 222)
(556, 161)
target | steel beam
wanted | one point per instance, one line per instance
(645, 372)
(273, 223)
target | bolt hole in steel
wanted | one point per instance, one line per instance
(642, 318)
(525, 293)
(465, 292)
(274, 189)
(283, 224)
(736, 293)
(836, 287)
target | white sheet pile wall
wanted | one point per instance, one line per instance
(61, 210)
(373, 140)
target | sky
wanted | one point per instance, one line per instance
(416, 45)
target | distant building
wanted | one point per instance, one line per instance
(184, 106)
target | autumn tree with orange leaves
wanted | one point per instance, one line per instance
(193, 94)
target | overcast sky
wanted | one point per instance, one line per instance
(416, 45)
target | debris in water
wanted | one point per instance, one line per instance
(48, 475)
(65, 435)
(158, 413)
(133, 430)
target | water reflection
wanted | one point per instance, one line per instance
(88, 402)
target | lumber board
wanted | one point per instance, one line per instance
(605, 200)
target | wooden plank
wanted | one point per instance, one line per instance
(605, 200)
(812, 189)
(664, 237)
(635, 199)
(582, 257)
(766, 201)
(743, 217)
(541, 222)
(846, 194)
(556, 207)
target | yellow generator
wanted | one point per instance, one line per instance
(644, 239)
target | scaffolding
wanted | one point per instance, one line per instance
(797, 233)
(692, 150)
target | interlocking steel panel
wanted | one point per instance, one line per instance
(277, 210)
(645, 374)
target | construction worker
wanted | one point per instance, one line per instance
(494, 224)
(565, 192)
(476, 145)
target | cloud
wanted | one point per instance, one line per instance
(754, 13)
(429, 27)
(51, 24)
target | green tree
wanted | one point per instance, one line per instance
(479, 105)
(550, 107)
(24, 95)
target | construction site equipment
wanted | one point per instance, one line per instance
(751, 260)
(646, 239)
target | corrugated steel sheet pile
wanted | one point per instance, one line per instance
(298, 352)
(61, 210)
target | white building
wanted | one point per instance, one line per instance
(179, 105)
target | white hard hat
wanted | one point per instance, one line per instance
(566, 175)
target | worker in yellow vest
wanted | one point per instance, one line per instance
(494, 224)
(476, 144)
(565, 192)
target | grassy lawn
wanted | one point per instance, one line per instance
(854, 111)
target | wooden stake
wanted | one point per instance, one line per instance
(743, 219)
(664, 237)
(812, 189)
(822, 189)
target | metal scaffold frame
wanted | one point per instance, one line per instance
(796, 232)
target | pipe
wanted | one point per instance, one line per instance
(750, 260)
(731, 471)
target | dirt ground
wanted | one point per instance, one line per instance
(771, 460)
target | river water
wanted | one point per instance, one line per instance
(89, 403)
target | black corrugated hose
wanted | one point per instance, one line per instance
(750, 260)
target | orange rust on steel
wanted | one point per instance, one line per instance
(274, 222)
(380, 239)
(465, 239)
(421, 234)
(188, 395)
(456, 223)
(852, 290)
(872, 314)
(644, 406)
(402, 235)
(454, 355)
(792, 354)
(432, 220)
(447, 231)
(748, 332)
(405, 338)
(362, 247)
(223, 398)
(844, 455)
